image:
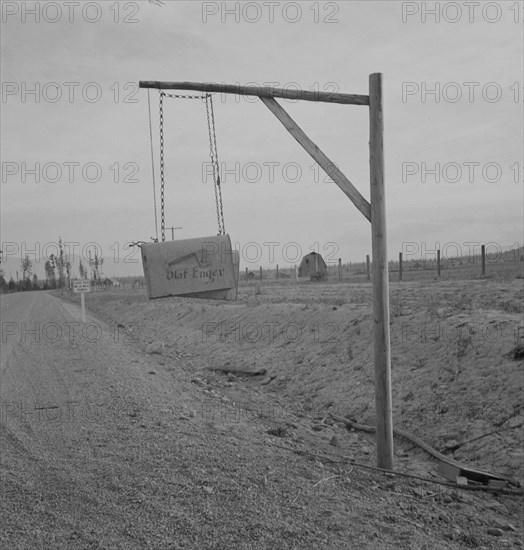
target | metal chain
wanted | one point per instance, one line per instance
(218, 183)
(152, 161)
(176, 96)
(162, 168)
(213, 164)
(213, 153)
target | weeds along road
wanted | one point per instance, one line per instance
(103, 446)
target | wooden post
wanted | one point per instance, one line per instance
(277, 271)
(383, 400)
(83, 306)
(260, 272)
(483, 252)
(247, 272)
(340, 270)
(438, 262)
(368, 272)
(400, 266)
(296, 274)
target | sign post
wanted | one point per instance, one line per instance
(82, 286)
(374, 211)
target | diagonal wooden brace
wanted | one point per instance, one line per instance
(327, 165)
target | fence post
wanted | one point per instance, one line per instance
(246, 274)
(367, 268)
(260, 272)
(438, 262)
(483, 252)
(277, 271)
(400, 266)
(340, 270)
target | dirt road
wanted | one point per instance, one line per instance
(104, 446)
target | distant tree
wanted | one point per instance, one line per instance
(50, 275)
(3, 282)
(11, 285)
(67, 265)
(36, 286)
(27, 267)
(60, 262)
(96, 266)
(82, 270)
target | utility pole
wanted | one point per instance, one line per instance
(173, 231)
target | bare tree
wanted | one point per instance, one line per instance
(49, 268)
(27, 267)
(60, 263)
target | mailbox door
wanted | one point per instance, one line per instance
(189, 267)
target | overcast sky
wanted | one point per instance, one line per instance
(72, 112)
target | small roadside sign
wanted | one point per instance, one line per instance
(81, 285)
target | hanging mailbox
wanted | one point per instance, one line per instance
(196, 268)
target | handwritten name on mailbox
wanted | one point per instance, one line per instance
(176, 268)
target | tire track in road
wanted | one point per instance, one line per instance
(58, 422)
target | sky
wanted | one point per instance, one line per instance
(75, 143)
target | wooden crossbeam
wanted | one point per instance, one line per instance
(260, 91)
(323, 161)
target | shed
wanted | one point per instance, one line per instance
(313, 266)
